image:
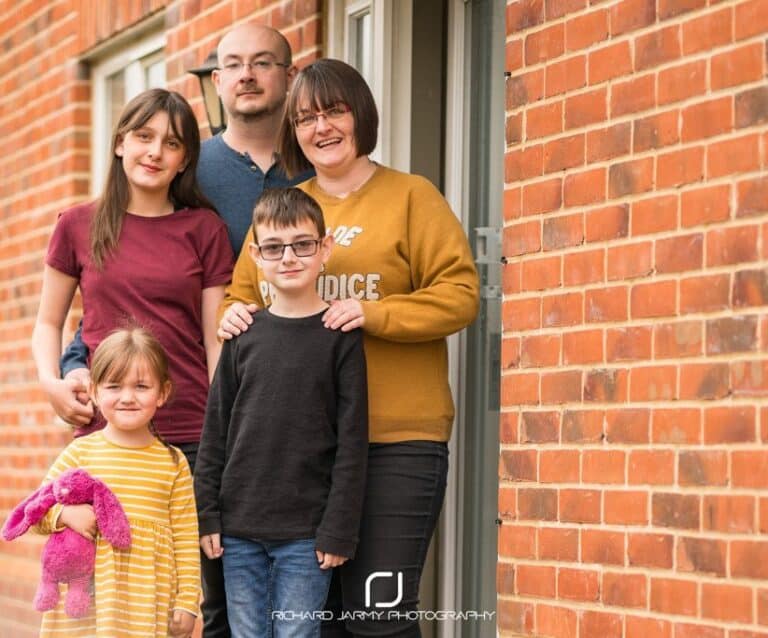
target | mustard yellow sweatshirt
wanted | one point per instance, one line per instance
(402, 252)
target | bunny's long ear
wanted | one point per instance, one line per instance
(29, 512)
(110, 517)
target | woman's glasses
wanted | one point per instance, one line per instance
(331, 114)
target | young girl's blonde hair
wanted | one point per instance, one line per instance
(113, 358)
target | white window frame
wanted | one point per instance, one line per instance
(132, 59)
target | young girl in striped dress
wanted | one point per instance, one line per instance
(152, 589)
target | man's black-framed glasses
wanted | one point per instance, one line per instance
(300, 248)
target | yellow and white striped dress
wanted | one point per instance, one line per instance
(135, 591)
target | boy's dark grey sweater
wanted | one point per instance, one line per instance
(285, 443)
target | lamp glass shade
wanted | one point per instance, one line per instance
(217, 119)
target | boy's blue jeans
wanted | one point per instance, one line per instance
(273, 588)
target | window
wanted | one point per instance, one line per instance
(116, 78)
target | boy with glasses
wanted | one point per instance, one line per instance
(281, 466)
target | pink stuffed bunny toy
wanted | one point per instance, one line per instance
(67, 556)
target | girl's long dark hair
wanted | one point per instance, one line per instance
(183, 192)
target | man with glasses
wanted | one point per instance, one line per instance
(254, 72)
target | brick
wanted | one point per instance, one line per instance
(762, 606)
(673, 596)
(732, 245)
(655, 214)
(544, 120)
(681, 339)
(524, 164)
(588, 187)
(749, 469)
(704, 294)
(677, 425)
(514, 129)
(708, 31)
(606, 304)
(584, 267)
(524, 89)
(707, 119)
(704, 381)
(681, 167)
(750, 288)
(730, 424)
(628, 425)
(561, 387)
(609, 62)
(604, 224)
(604, 547)
(585, 346)
(697, 631)
(631, 177)
(657, 47)
(524, 14)
(558, 544)
(541, 274)
(605, 385)
(585, 30)
(626, 508)
(598, 623)
(608, 143)
(751, 107)
(515, 616)
(562, 232)
(653, 383)
(522, 238)
(624, 590)
(726, 602)
(749, 378)
(547, 44)
(650, 550)
(557, 622)
(521, 314)
(732, 334)
(535, 580)
(739, 155)
(559, 466)
(751, 19)
(566, 75)
(749, 559)
(566, 152)
(628, 344)
(631, 96)
(651, 467)
(682, 82)
(562, 310)
(505, 577)
(516, 541)
(702, 467)
(586, 108)
(542, 197)
(656, 299)
(518, 465)
(680, 253)
(656, 131)
(730, 514)
(705, 205)
(513, 55)
(640, 627)
(603, 466)
(519, 389)
(737, 66)
(508, 427)
(629, 261)
(513, 201)
(679, 511)
(579, 506)
(540, 427)
(537, 504)
(629, 15)
(540, 351)
(510, 278)
(753, 197)
(578, 584)
(582, 426)
(558, 8)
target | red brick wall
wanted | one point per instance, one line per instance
(633, 467)
(44, 126)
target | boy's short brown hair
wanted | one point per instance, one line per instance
(324, 83)
(285, 208)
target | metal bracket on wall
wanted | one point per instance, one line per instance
(487, 245)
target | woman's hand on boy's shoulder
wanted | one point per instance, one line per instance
(344, 314)
(211, 546)
(326, 560)
(236, 320)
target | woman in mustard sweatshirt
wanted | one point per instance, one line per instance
(402, 270)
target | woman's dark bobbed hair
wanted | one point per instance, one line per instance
(322, 84)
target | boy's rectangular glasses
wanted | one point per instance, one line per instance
(301, 248)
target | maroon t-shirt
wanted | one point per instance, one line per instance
(155, 277)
